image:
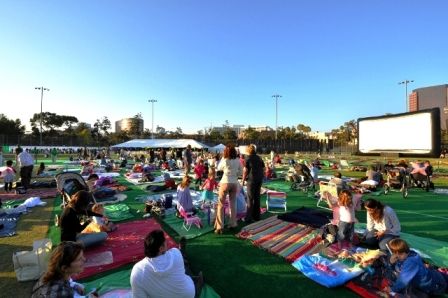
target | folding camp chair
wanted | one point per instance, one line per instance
(189, 219)
(275, 199)
(328, 191)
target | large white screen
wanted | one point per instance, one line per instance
(408, 134)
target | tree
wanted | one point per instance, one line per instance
(160, 131)
(105, 125)
(251, 134)
(215, 136)
(52, 121)
(229, 134)
(11, 127)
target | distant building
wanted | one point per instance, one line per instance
(126, 124)
(431, 97)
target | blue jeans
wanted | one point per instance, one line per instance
(91, 239)
(373, 241)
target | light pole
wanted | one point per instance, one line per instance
(152, 101)
(276, 96)
(406, 82)
(42, 89)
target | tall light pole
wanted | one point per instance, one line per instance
(406, 82)
(276, 96)
(42, 89)
(152, 101)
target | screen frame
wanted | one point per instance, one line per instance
(435, 130)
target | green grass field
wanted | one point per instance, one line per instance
(234, 267)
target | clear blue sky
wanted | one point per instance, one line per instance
(211, 61)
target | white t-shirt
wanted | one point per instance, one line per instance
(162, 277)
(232, 169)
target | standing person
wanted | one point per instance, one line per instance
(162, 272)
(26, 164)
(199, 171)
(188, 159)
(253, 175)
(345, 211)
(8, 174)
(231, 169)
(382, 224)
(54, 154)
(66, 259)
(71, 227)
(209, 185)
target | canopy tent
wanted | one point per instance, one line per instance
(218, 148)
(160, 143)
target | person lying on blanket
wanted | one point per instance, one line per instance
(414, 278)
(67, 259)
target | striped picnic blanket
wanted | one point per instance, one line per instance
(285, 239)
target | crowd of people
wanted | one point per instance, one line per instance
(162, 273)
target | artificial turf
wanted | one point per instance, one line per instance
(234, 267)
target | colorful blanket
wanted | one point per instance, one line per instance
(177, 225)
(9, 222)
(285, 239)
(126, 245)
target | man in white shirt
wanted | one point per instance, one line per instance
(162, 272)
(26, 163)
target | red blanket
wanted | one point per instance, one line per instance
(126, 245)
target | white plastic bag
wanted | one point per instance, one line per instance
(29, 265)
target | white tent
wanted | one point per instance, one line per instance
(218, 148)
(161, 143)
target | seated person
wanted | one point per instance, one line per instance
(71, 226)
(184, 199)
(413, 277)
(388, 166)
(340, 184)
(372, 179)
(169, 183)
(66, 259)
(162, 272)
(269, 172)
(277, 159)
(87, 169)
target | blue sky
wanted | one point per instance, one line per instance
(208, 61)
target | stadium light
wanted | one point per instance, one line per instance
(405, 83)
(152, 101)
(42, 89)
(276, 96)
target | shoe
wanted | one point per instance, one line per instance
(218, 231)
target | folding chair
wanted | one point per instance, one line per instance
(275, 199)
(328, 191)
(189, 219)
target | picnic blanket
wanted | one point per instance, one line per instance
(118, 212)
(308, 216)
(9, 222)
(118, 284)
(278, 185)
(126, 245)
(42, 193)
(285, 239)
(177, 225)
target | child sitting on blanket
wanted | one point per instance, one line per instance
(209, 185)
(413, 277)
(99, 224)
